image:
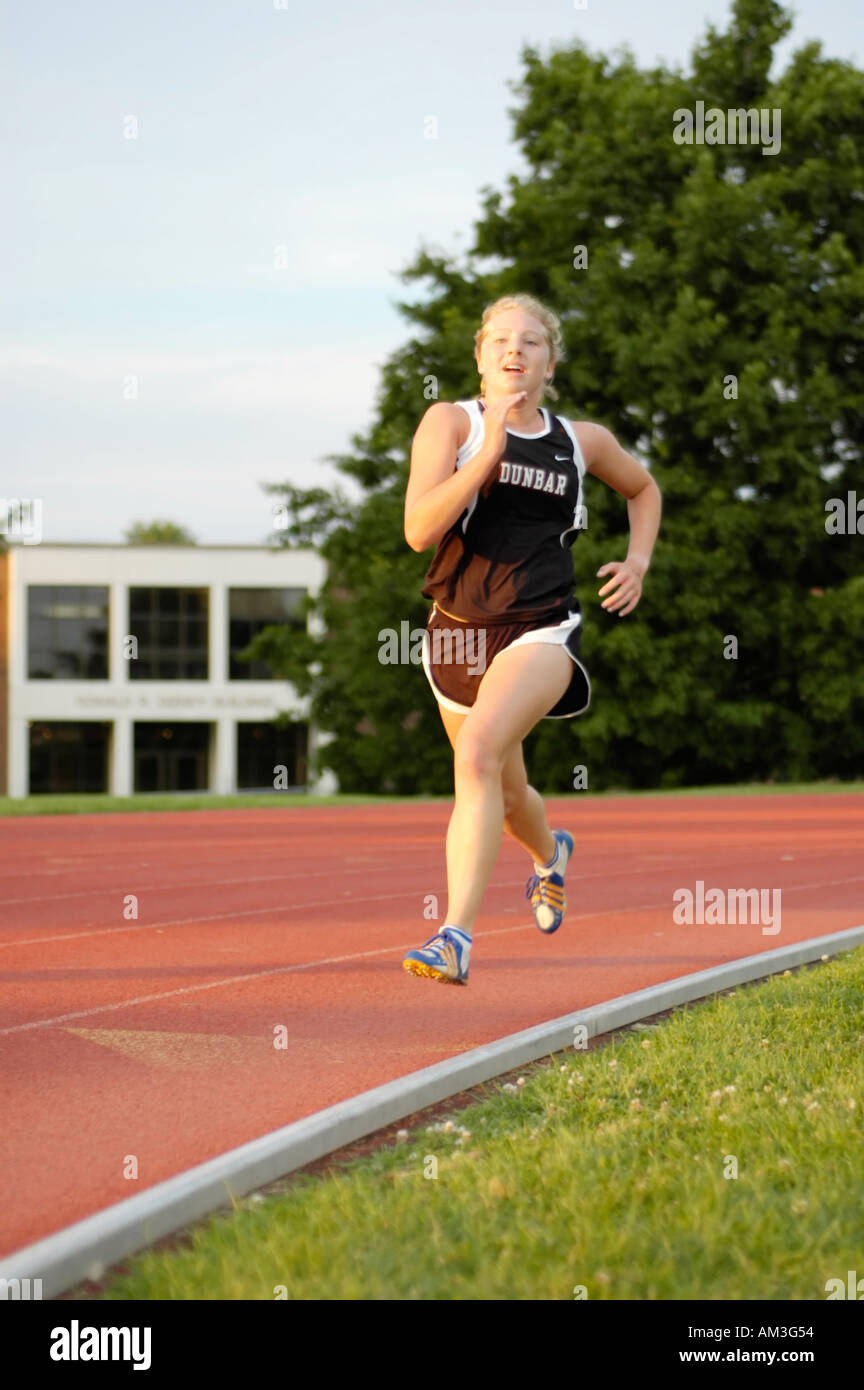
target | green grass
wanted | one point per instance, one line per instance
(202, 801)
(604, 1170)
(75, 803)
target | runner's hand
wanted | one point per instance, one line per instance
(623, 590)
(495, 424)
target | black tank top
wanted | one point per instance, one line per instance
(507, 557)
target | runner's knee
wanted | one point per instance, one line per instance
(476, 754)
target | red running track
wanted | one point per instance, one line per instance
(155, 1037)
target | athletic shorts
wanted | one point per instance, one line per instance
(457, 654)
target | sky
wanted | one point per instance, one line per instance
(207, 210)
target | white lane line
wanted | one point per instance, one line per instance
(285, 970)
(184, 885)
(350, 901)
(352, 872)
(356, 870)
(335, 960)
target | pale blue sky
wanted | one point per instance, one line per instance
(300, 127)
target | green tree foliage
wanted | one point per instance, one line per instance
(158, 533)
(717, 329)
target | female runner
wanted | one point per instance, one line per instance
(496, 485)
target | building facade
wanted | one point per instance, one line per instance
(120, 669)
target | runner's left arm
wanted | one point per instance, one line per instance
(605, 459)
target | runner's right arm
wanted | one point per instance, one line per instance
(438, 492)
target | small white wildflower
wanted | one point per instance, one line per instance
(850, 1104)
(646, 1042)
(448, 1126)
(635, 1105)
(520, 1080)
(613, 1063)
(401, 1136)
(509, 1088)
(715, 1096)
(783, 1100)
(563, 1067)
(730, 1090)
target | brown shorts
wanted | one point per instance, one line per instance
(457, 654)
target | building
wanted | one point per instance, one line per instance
(119, 669)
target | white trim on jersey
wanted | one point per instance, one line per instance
(473, 444)
(578, 456)
(581, 469)
(541, 434)
(475, 434)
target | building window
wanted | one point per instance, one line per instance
(250, 610)
(264, 748)
(171, 629)
(171, 757)
(67, 632)
(67, 757)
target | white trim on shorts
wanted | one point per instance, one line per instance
(556, 635)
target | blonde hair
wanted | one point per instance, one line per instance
(551, 327)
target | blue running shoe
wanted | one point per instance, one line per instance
(546, 891)
(443, 958)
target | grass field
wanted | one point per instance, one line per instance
(204, 801)
(713, 1155)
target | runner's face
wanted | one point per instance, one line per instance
(514, 339)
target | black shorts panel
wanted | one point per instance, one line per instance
(456, 656)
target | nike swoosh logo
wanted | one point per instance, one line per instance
(562, 458)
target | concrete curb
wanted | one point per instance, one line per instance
(67, 1258)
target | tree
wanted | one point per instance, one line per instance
(158, 533)
(717, 329)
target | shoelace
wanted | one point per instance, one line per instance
(532, 885)
(438, 941)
